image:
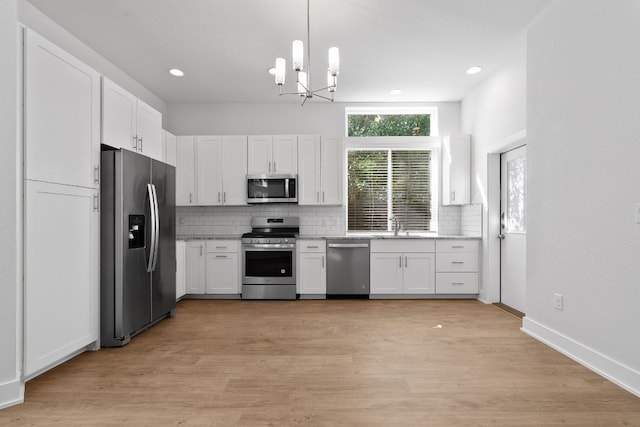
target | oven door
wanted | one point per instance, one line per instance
(265, 264)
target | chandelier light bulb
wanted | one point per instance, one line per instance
(281, 65)
(297, 53)
(334, 61)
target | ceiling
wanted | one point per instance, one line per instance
(421, 47)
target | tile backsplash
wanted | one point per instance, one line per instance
(201, 221)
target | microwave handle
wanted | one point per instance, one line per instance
(286, 188)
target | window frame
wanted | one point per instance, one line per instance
(376, 143)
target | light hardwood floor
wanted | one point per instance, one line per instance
(336, 362)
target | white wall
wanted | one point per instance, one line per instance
(10, 288)
(316, 117)
(32, 18)
(583, 155)
(493, 113)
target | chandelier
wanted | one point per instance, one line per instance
(303, 74)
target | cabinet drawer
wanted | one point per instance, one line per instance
(456, 283)
(311, 245)
(402, 245)
(454, 261)
(223, 246)
(456, 245)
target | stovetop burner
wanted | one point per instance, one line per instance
(272, 230)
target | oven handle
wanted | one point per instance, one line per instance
(270, 246)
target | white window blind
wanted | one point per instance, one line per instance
(387, 183)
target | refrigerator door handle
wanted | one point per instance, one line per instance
(157, 239)
(152, 214)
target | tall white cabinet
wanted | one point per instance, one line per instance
(128, 122)
(61, 208)
(456, 170)
(320, 170)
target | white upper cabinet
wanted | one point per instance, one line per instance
(211, 170)
(276, 154)
(128, 122)
(62, 116)
(185, 170)
(169, 148)
(456, 170)
(319, 170)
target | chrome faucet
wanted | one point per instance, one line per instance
(396, 225)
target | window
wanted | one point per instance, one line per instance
(391, 169)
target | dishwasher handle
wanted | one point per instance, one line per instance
(348, 245)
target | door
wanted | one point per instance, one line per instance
(163, 278)
(285, 154)
(222, 273)
(118, 116)
(331, 170)
(185, 171)
(209, 175)
(419, 273)
(309, 170)
(259, 155)
(149, 130)
(386, 273)
(513, 176)
(194, 267)
(133, 307)
(234, 170)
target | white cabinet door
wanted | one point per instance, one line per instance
(419, 273)
(312, 273)
(169, 148)
(456, 170)
(208, 173)
(62, 116)
(185, 171)
(149, 130)
(195, 267)
(285, 154)
(234, 170)
(331, 158)
(386, 273)
(61, 295)
(118, 116)
(259, 154)
(222, 273)
(180, 269)
(309, 170)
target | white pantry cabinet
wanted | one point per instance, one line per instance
(320, 170)
(312, 268)
(272, 154)
(195, 268)
(456, 170)
(168, 148)
(402, 266)
(128, 122)
(62, 116)
(211, 170)
(180, 269)
(223, 267)
(61, 281)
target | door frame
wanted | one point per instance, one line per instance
(492, 223)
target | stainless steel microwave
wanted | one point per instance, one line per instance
(272, 188)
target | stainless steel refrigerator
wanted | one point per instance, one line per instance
(138, 246)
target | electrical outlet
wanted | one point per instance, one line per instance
(558, 301)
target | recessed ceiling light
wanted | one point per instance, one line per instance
(272, 71)
(395, 92)
(474, 70)
(176, 72)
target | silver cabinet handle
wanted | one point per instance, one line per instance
(405, 261)
(221, 247)
(317, 196)
(453, 196)
(323, 197)
(135, 142)
(224, 197)
(313, 247)
(457, 283)
(219, 197)
(322, 261)
(457, 262)
(400, 259)
(200, 250)
(96, 202)
(190, 197)
(274, 166)
(457, 247)
(221, 256)
(96, 174)
(141, 144)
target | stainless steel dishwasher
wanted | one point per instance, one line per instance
(348, 268)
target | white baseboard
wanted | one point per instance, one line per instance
(11, 393)
(603, 365)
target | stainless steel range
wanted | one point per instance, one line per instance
(269, 258)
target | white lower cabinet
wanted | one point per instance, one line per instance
(180, 269)
(457, 267)
(194, 267)
(62, 284)
(312, 268)
(402, 266)
(222, 267)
